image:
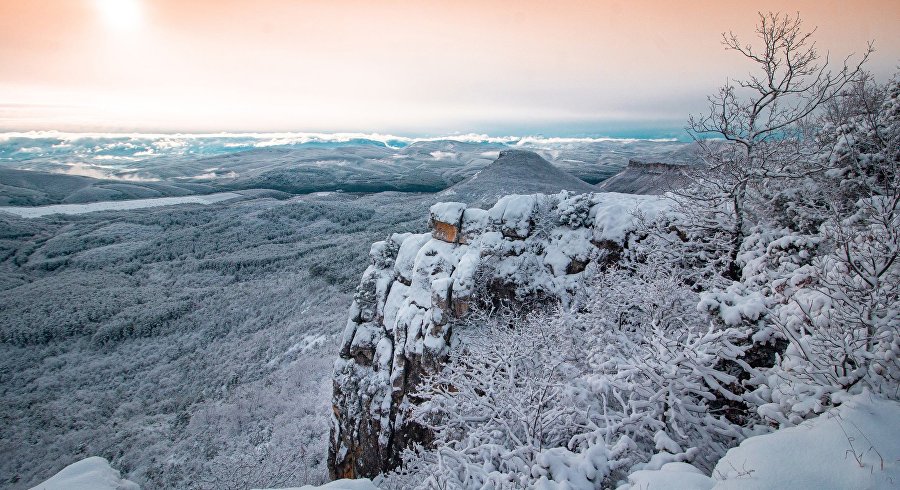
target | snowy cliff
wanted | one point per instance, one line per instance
(418, 286)
(646, 178)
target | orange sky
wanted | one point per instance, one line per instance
(402, 66)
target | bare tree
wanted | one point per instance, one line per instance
(760, 119)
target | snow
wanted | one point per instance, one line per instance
(40, 211)
(561, 469)
(474, 221)
(360, 484)
(406, 256)
(853, 446)
(615, 213)
(93, 473)
(447, 212)
(514, 212)
(672, 476)
(856, 445)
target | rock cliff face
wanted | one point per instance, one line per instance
(418, 286)
(646, 178)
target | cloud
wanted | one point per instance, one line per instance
(443, 155)
(101, 172)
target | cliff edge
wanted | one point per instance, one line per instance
(419, 286)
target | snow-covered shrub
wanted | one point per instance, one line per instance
(622, 379)
(503, 400)
(840, 307)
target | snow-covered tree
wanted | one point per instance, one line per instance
(751, 134)
(841, 311)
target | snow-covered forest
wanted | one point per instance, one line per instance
(181, 343)
(510, 327)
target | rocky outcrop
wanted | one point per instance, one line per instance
(646, 178)
(419, 286)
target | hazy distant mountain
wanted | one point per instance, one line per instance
(645, 178)
(514, 172)
(30, 188)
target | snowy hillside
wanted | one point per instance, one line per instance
(587, 340)
(853, 446)
(205, 314)
(514, 172)
(218, 324)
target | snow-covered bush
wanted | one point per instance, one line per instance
(504, 399)
(624, 378)
(841, 311)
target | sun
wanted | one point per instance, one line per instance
(120, 14)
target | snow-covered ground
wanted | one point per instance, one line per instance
(92, 473)
(361, 484)
(95, 473)
(856, 445)
(39, 211)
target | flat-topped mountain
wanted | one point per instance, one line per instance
(646, 178)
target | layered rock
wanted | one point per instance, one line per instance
(419, 286)
(646, 178)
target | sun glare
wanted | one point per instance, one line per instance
(120, 14)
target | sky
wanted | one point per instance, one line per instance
(407, 67)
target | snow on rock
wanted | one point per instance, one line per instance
(92, 473)
(613, 218)
(514, 214)
(446, 220)
(405, 307)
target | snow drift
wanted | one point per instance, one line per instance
(855, 445)
(93, 473)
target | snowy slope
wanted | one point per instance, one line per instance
(515, 172)
(194, 311)
(856, 445)
(93, 473)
